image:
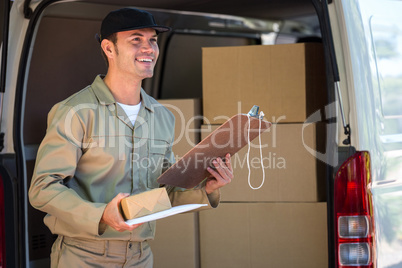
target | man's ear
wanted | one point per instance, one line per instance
(108, 48)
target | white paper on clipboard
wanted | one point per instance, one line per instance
(165, 213)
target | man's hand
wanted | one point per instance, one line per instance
(112, 217)
(222, 175)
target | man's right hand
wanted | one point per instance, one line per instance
(112, 217)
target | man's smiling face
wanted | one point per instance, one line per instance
(136, 52)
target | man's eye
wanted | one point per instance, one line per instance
(154, 40)
(136, 39)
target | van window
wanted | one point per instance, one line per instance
(386, 35)
(383, 40)
(2, 5)
(387, 42)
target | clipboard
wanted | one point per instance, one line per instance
(230, 137)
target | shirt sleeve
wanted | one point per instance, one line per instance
(56, 163)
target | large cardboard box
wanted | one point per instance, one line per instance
(286, 81)
(280, 235)
(176, 242)
(188, 120)
(292, 173)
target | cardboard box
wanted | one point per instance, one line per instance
(280, 235)
(292, 173)
(176, 242)
(286, 81)
(188, 120)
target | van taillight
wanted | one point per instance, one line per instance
(354, 222)
(2, 227)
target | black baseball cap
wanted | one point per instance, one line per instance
(126, 19)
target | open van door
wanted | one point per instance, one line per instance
(13, 243)
(3, 59)
(368, 35)
(8, 214)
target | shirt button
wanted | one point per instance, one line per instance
(130, 245)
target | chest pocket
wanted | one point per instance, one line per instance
(157, 150)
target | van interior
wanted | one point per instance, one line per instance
(65, 57)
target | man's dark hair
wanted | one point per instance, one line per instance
(113, 39)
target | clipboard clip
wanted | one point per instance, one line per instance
(254, 112)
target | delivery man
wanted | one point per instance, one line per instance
(106, 142)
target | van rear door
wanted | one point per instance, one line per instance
(368, 35)
(8, 234)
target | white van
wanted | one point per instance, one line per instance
(49, 52)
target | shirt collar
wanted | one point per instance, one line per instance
(146, 100)
(105, 97)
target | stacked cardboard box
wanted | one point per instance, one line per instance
(292, 173)
(264, 235)
(286, 81)
(176, 241)
(282, 224)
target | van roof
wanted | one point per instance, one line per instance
(262, 9)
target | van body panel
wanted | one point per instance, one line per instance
(371, 48)
(341, 48)
(16, 39)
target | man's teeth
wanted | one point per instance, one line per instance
(145, 60)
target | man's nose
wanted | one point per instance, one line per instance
(147, 46)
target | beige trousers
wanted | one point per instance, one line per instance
(70, 252)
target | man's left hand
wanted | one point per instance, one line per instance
(222, 175)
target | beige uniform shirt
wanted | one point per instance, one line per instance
(91, 152)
